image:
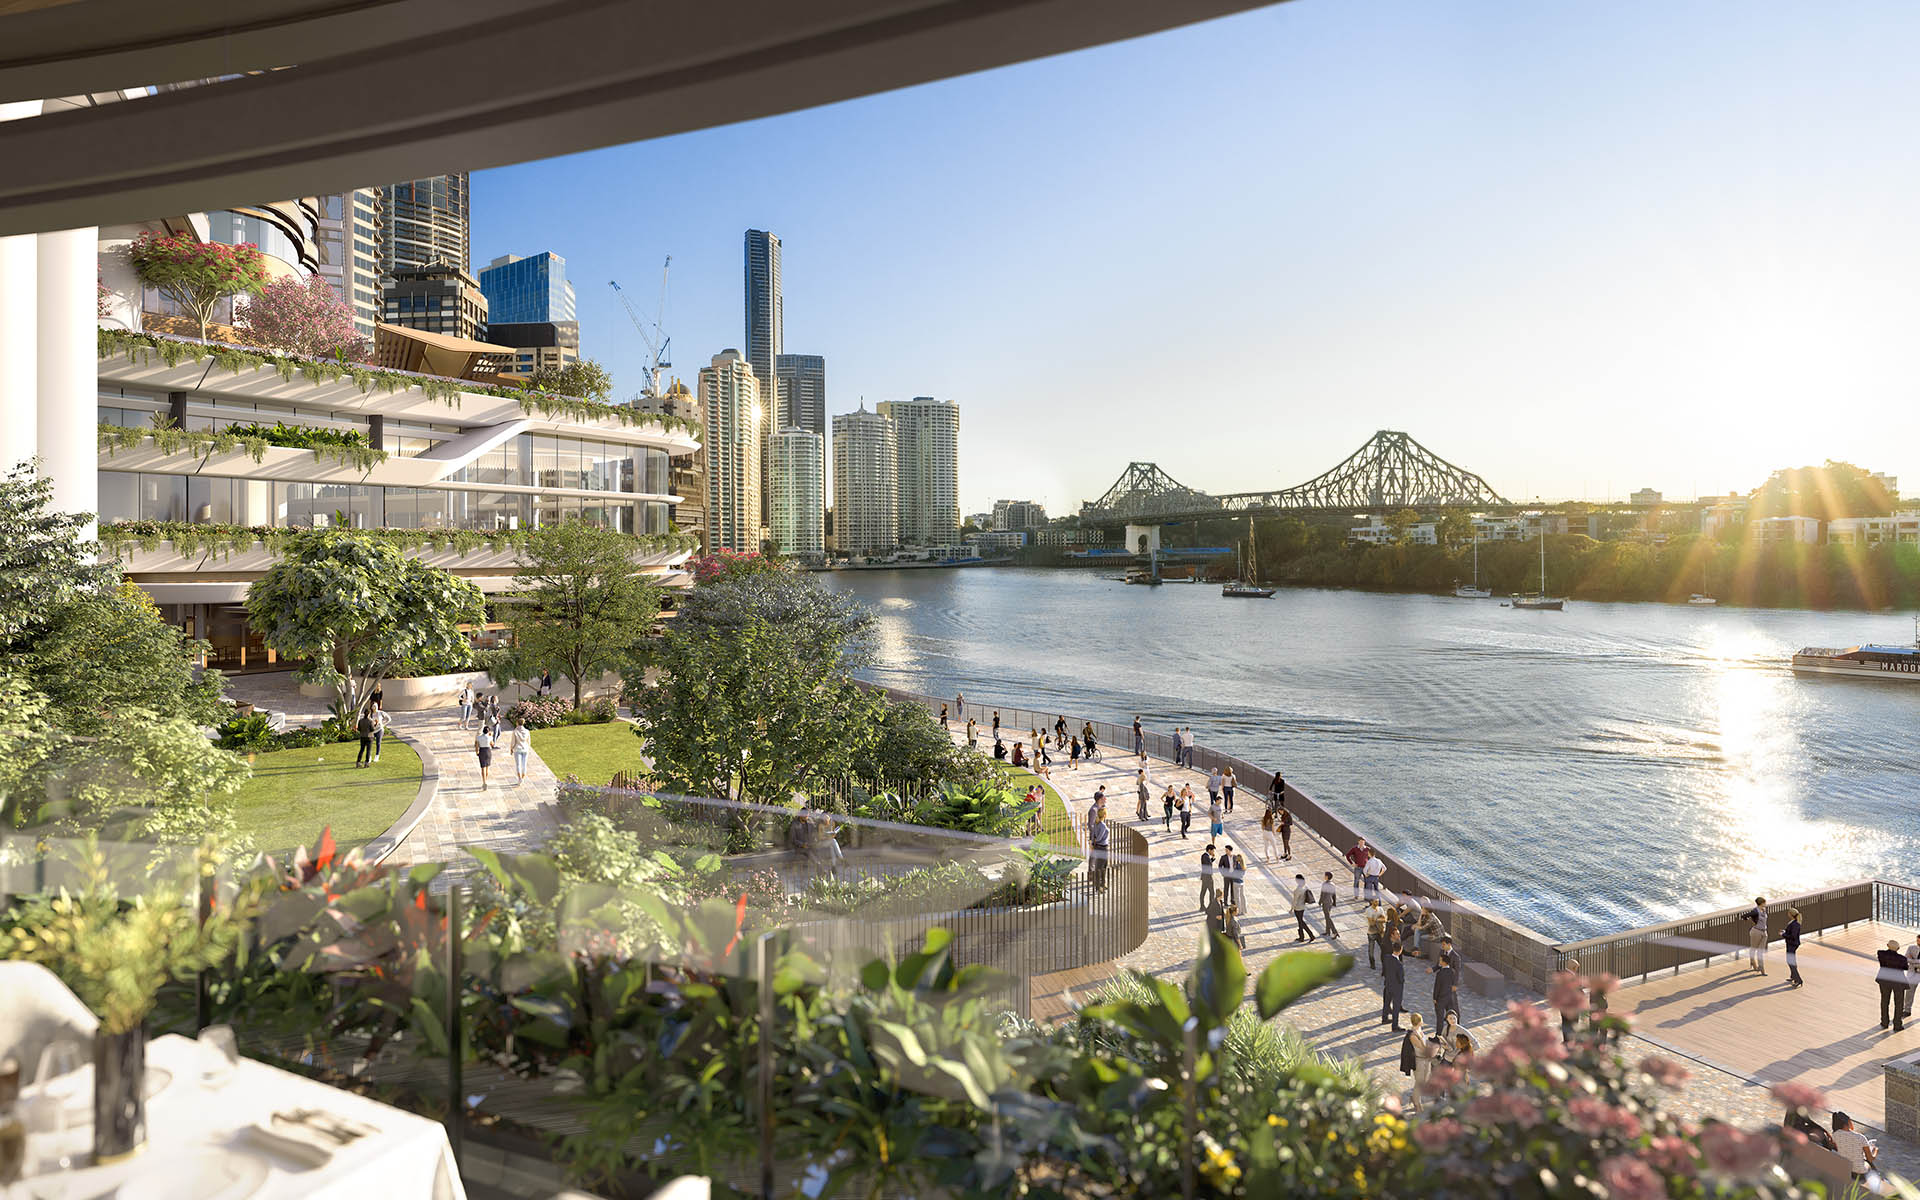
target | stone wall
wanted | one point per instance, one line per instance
(1902, 1077)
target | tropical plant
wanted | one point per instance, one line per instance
(583, 607)
(355, 607)
(197, 275)
(586, 380)
(302, 315)
(346, 448)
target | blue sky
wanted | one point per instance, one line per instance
(1579, 249)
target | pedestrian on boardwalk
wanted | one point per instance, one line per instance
(483, 750)
(996, 722)
(1040, 754)
(1145, 791)
(1757, 936)
(466, 705)
(1357, 857)
(1099, 838)
(1375, 870)
(1240, 880)
(1269, 836)
(1097, 804)
(959, 704)
(1285, 821)
(943, 716)
(1892, 978)
(1376, 931)
(1190, 747)
(1139, 737)
(1417, 1053)
(1073, 756)
(1214, 816)
(522, 747)
(1232, 929)
(1215, 781)
(1790, 937)
(1452, 1033)
(1227, 784)
(1206, 875)
(1185, 805)
(1300, 897)
(1913, 955)
(1167, 802)
(973, 738)
(1393, 982)
(365, 727)
(1327, 900)
(1446, 987)
(1179, 751)
(1216, 913)
(1229, 888)
(1277, 794)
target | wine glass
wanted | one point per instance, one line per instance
(219, 1056)
(58, 1074)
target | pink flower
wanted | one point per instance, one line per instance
(1799, 1095)
(1663, 1071)
(1671, 1154)
(1627, 1178)
(1568, 994)
(1604, 984)
(1443, 1080)
(1597, 1118)
(1525, 1015)
(1536, 1042)
(1438, 1135)
(1504, 1108)
(1735, 1154)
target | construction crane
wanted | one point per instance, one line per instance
(651, 332)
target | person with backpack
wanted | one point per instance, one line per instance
(1300, 897)
(365, 727)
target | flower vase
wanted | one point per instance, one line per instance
(119, 1094)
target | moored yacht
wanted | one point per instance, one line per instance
(1539, 601)
(1473, 591)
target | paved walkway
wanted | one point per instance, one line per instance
(1343, 1018)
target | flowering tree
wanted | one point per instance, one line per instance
(301, 315)
(197, 275)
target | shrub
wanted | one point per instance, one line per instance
(251, 732)
(540, 712)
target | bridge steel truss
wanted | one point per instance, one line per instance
(1389, 473)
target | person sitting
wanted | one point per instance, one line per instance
(999, 750)
(1806, 1126)
(1854, 1146)
(1019, 755)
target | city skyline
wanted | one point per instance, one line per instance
(1295, 240)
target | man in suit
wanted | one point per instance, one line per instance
(1206, 876)
(1392, 984)
(1446, 982)
(1298, 899)
(1892, 977)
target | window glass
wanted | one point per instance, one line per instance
(163, 497)
(210, 500)
(546, 461)
(654, 515)
(252, 502)
(119, 496)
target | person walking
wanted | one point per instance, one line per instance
(1327, 900)
(1166, 803)
(1446, 986)
(1215, 817)
(1240, 880)
(1285, 822)
(973, 738)
(380, 723)
(1417, 1053)
(1215, 781)
(1216, 916)
(1376, 931)
(1357, 858)
(1185, 804)
(1790, 938)
(1913, 973)
(1892, 978)
(1371, 876)
(1206, 875)
(522, 746)
(1227, 783)
(1144, 790)
(945, 719)
(1073, 756)
(1393, 983)
(1757, 935)
(1269, 836)
(1040, 754)
(483, 750)
(1299, 898)
(1229, 879)
(1139, 737)
(466, 704)
(365, 727)
(1179, 751)
(1232, 929)
(1099, 837)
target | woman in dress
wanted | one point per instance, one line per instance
(1144, 790)
(483, 750)
(1417, 1053)
(1269, 835)
(1073, 756)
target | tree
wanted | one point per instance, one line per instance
(301, 315)
(1454, 528)
(355, 607)
(1836, 489)
(197, 275)
(1402, 524)
(583, 607)
(43, 564)
(585, 380)
(110, 653)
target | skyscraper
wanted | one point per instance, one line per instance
(928, 432)
(525, 289)
(440, 299)
(796, 477)
(764, 310)
(866, 498)
(736, 429)
(802, 380)
(424, 221)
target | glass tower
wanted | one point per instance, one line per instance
(764, 306)
(524, 290)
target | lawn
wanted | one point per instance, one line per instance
(294, 794)
(593, 754)
(1056, 823)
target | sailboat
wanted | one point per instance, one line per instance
(1240, 589)
(1539, 600)
(1475, 592)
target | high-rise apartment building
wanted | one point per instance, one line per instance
(802, 380)
(349, 239)
(928, 433)
(796, 474)
(425, 221)
(528, 289)
(1018, 514)
(764, 310)
(687, 476)
(866, 496)
(439, 299)
(734, 441)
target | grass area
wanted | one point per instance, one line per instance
(294, 794)
(593, 754)
(1056, 823)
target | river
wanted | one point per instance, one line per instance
(1582, 772)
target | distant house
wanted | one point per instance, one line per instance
(1874, 531)
(1785, 529)
(1645, 498)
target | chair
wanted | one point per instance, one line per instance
(39, 1011)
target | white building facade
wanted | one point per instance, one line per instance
(796, 476)
(735, 438)
(866, 495)
(1874, 531)
(928, 433)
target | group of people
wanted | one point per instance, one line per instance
(372, 728)
(493, 733)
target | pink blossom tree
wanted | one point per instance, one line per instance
(197, 275)
(301, 315)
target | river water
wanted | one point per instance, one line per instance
(1582, 772)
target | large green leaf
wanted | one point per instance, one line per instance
(1219, 980)
(1294, 974)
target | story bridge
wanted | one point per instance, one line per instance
(1389, 473)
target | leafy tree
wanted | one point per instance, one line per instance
(583, 609)
(197, 275)
(301, 315)
(109, 653)
(834, 625)
(1837, 489)
(584, 380)
(1402, 524)
(912, 749)
(44, 565)
(1454, 528)
(355, 607)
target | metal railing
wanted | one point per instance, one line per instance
(1672, 945)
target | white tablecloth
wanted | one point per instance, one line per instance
(408, 1158)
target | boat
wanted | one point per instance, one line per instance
(1865, 661)
(1147, 576)
(1539, 601)
(1239, 588)
(1700, 600)
(1473, 591)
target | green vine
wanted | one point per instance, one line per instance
(253, 439)
(138, 348)
(188, 538)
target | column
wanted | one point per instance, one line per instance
(68, 392)
(19, 311)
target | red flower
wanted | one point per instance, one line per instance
(1627, 1178)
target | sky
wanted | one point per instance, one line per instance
(1577, 249)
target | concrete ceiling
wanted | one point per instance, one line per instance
(388, 90)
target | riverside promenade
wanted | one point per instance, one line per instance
(1343, 1018)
